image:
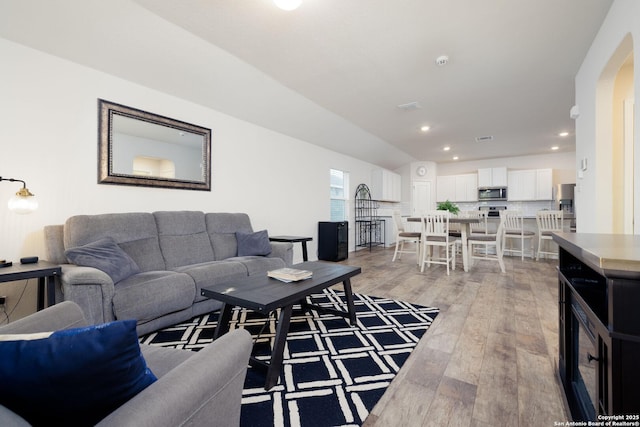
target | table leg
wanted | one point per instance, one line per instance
(305, 256)
(224, 318)
(40, 293)
(464, 229)
(350, 306)
(51, 290)
(275, 365)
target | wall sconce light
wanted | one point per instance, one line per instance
(24, 200)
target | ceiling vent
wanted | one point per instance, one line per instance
(484, 138)
(410, 106)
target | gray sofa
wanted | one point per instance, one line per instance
(177, 253)
(193, 388)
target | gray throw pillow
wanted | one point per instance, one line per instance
(105, 255)
(256, 244)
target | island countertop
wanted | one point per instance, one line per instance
(613, 255)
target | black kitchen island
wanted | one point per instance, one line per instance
(599, 319)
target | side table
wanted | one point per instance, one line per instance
(44, 271)
(294, 239)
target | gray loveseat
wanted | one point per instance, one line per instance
(176, 252)
(194, 388)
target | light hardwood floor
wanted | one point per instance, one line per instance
(490, 357)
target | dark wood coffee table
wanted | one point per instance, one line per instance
(263, 294)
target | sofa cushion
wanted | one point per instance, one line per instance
(253, 244)
(136, 233)
(259, 264)
(210, 273)
(73, 376)
(222, 229)
(148, 295)
(183, 238)
(105, 255)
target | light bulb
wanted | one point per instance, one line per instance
(288, 4)
(23, 202)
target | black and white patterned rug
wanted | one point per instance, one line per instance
(333, 374)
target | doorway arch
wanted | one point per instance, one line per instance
(615, 150)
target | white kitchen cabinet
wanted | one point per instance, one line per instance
(499, 177)
(389, 231)
(386, 186)
(457, 188)
(467, 188)
(445, 188)
(544, 184)
(485, 177)
(522, 185)
(492, 177)
(533, 184)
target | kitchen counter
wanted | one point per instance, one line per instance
(612, 255)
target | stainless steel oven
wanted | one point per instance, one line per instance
(492, 210)
(492, 193)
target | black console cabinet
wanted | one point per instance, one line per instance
(599, 319)
(333, 241)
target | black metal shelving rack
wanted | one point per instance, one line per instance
(369, 230)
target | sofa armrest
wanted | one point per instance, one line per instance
(282, 250)
(54, 243)
(206, 389)
(91, 289)
(60, 316)
(9, 418)
(79, 275)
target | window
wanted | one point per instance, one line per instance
(339, 185)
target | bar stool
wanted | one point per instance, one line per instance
(485, 241)
(403, 236)
(481, 227)
(435, 233)
(514, 230)
(548, 223)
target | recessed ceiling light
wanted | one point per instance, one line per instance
(447, 148)
(555, 147)
(455, 157)
(563, 134)
(425, 128)
(288, 4)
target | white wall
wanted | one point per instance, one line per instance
(48, 137)
(594, 189)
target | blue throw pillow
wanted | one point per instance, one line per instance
(105, 255)
(74, 376)
(253, 243)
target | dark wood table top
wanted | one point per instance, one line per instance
(263, 294)
(292, 239)
(19, 271)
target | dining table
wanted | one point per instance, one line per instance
(465, 230)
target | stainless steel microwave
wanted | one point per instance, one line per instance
(492, 193)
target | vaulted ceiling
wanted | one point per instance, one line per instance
(334, 72)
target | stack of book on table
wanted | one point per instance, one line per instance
(289, 274)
